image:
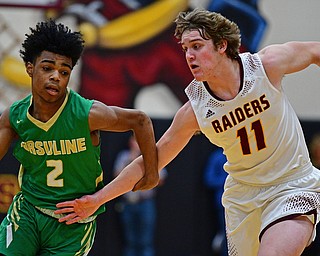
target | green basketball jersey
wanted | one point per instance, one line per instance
(58, 160)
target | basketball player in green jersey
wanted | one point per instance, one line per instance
(272, 195)
(57, 143)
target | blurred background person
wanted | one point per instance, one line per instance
(138, 210)
(214, 177)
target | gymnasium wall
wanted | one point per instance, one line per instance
(286, 20)
(186, 219)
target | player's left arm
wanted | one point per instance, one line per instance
(282, 59)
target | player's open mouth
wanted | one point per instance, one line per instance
(51, 90)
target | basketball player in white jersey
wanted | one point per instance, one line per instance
(272, 193)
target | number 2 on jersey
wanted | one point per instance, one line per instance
(52, 176)
(242, 133)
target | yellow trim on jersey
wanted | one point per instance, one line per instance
(46, 126)
(20, 175)
(87, 240)
(51, 213)
(99, 179)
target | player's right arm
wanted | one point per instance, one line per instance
(183, 127)
(7, 134)
(181, 130)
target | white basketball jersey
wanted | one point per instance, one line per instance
(258, 129)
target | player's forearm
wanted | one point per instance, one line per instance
(120, 185)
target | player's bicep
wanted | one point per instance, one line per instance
(282, 59)
(117, 119)
(101, 116)
(110, 118)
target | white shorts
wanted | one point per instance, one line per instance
(250, 210)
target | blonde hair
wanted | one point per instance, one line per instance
(211, 25)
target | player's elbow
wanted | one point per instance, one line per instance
(142, 119)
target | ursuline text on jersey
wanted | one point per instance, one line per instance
(53, 147)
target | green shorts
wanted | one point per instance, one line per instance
(27, 231)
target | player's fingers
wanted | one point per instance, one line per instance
(140, 185)
(74, 220)
(64, 210)
(68, 217)
(137, 186)
(65, 204)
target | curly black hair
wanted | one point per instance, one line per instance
(52, 37)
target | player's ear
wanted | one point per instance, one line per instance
(223, 46)
(29, 68)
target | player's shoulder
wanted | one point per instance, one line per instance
(21, 102)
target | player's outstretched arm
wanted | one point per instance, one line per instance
(86, 206)
(170, 144)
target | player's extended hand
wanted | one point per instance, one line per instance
(147, 182)
(77, 209)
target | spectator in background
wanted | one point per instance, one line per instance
(214, 178)
(137, 210)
